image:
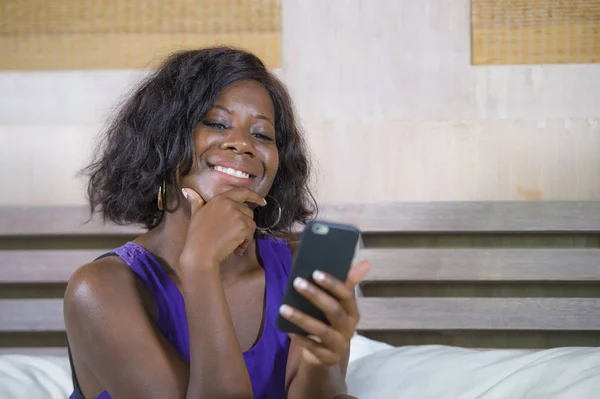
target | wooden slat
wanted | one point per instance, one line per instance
(490, 339)
(56, 221)
(462, 217)
(572, 314)
(401, 217)
(42, 266)
(35, 351)
(518, 265)
(19, 315)
(386, 314)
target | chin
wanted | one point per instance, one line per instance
(208, 193)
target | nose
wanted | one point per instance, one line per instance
(240, 142)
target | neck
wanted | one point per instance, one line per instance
(167, 240)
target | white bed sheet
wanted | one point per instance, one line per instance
(34, 377)
(444, 372)
(380, 371)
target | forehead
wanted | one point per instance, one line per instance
(250, 94)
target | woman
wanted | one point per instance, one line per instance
(206, 154)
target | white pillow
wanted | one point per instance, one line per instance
(443, 372)
(362, 346)
(39, 377)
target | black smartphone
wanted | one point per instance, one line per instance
(328, 247)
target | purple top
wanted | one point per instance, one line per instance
(266, 360)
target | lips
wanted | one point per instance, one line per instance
(231, 172)
(235, 169)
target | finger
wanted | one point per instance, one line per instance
(358, 273)
(318, 350)
(344, 292)
(329, 337)
(242, 195)
(193, 198)
(333, 309)
(244, 209)
(249, 237)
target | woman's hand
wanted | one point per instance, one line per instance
(219, 227)
(327, 345)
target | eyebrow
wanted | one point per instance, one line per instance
(257, 116)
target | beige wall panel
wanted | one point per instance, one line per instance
(410, 59)
(362, 162)
(363, 74)
(457, 160)
(39, 163)
(65, 97)
(445, 160)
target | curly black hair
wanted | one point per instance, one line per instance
(151, 138)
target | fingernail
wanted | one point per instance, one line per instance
(300, 283)
(318, 275)
(285, 310)
(184, 193)
(264, 199)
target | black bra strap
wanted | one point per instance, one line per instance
(106, 255)
(76, 387)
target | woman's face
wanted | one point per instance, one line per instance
(235, 143)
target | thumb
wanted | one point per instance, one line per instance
(358, 272)
(193, 198)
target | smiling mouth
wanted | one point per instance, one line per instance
(231, 172)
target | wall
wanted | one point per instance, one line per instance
(391, 105)
(404, 116)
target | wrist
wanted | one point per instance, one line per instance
(324, 375)
(192, 264)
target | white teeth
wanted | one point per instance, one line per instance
(232, 172)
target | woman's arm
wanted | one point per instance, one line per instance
(217, 229)
(112, 333)
(308, 380)
(217, 367)
(317, 365)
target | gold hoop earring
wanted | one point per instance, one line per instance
(162, 196)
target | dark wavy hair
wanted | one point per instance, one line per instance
(151, 138)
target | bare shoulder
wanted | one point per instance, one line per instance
(100, 284)
(96, 278)
(113, 336)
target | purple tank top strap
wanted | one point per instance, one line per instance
(281, 254)
(144, 265)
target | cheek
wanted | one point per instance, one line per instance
(204, 139)
(273, 164)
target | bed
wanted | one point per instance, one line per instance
(465, 300)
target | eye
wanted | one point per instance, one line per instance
(262, 137)
(214, 125)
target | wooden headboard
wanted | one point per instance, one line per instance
(472, 274)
